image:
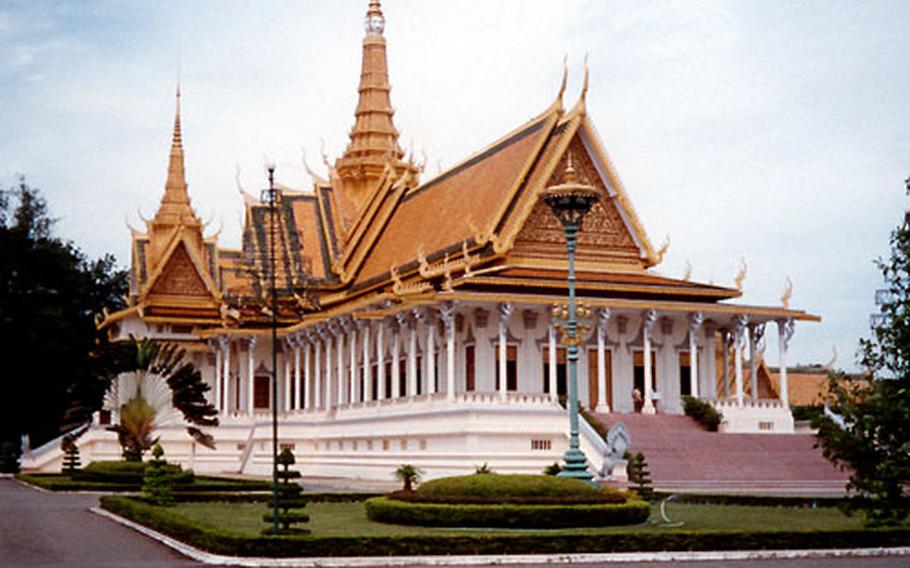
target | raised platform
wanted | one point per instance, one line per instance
(682, 456)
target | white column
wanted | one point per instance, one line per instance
(380, 360)
(648, 320)
(448, 318)
(366, 362)
(319, 349)
(727, 340)
(756, 337)
(709, 361)
(251, 373)
(412, 353)
(396, 355)
(339, 385)
(307, 393)
(429, 354)
(739, 330)
(603, 318)
(297, 345)
(219, 369)
(354, 375)
(287, 352)
(505, 312)
(785, 329)
(551, 355)
(695, 321)
(225, 343)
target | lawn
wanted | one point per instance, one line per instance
(346, 519)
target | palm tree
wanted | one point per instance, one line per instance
(408, 475)
(161, 388)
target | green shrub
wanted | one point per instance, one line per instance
(500, 488)
(224, 542)
(286, 497)
(806, 413)
(639, 476)
(386, 510)
(552, 469)
(127, 472)
(157, 483)
(9, 458)
(71, 461)
(598, 426)
(481, 469)
(408, 475)
(702, 412)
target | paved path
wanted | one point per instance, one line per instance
(43, 529)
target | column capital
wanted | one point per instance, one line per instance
(696, 319)
(505, 312)
(603, 317)
(739, 326)
(447, 313)
(648, 319)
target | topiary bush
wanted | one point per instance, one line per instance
(639, 476)
(702, 412)
(157, 483)
(288, 496)
(126, 472)
(388, 510)
(497, 488)
(71, 460)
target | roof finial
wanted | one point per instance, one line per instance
(565, 79)
(374, 22)
(584, 85)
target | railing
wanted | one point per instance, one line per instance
(722, 403)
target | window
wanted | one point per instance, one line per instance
(511, 367)
(469, 367)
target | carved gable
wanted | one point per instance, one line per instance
(603, 234)
(179, 277)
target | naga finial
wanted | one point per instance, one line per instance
(741, 275)
(788, 293)
(688, 273)
(663, 249)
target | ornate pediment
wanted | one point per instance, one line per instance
(180, 277)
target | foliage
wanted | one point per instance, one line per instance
(286, 496)
(408, 475)
(639, 476)
(806, 412)
(594, 422)
(158, 483)
(874, 439)
(50, 293)
(481, 469)
(386, 510)
(71, 461)
(9, 457)
(155, 364)
(220, 540)
(523, 489)
(701, 412)
(128, 472)
(552, 469)
(186, 486)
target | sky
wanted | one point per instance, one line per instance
(775, 133)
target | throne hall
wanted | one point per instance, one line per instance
(415, 313)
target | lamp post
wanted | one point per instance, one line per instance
(270, 196)
(570, 201)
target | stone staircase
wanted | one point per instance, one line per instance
(684, 457)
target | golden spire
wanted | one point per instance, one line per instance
(175, 206)
(373, 139)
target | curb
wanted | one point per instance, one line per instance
(502, 560)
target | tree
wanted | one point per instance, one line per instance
(158, 481)
(873, 438)
(50, 293)
(288, 495)
(149, 393)
(639, 476)
(408, 475)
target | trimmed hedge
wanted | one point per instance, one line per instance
(702, 412)
(386, 510)
(753, 500)
(266, 497)
(220, 541)
(59, 482)
(525, 489)
(127, 473)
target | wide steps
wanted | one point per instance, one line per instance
(681, 454)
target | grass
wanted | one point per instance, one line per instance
(60, 482)
(347, 519)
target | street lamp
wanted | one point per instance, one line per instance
(570, 201)
(270, 196)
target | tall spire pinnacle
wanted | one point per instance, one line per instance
(374, 139)
(175, 206)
